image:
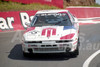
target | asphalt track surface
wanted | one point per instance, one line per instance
(11, 53)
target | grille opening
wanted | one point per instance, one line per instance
(34, 45)
(33, 42)
(48, 49)
(42, 45)
(60, 41)
(30, 50)
(54, 45)
(48, 45)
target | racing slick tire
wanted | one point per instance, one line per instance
(75, 53)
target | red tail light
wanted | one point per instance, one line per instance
(69, 36)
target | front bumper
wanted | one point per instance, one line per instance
(48, 47)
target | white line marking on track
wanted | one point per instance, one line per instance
(87, 62)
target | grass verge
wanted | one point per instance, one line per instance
(13, 6)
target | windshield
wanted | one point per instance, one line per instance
(51, 19)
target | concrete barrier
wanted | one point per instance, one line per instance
(86, 15)
(15, 20)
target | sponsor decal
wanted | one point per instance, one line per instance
(48, 32)
(6, 24)
(69, 36)
(24, 19)
(75, 43)
(17, 20)
(69, 27)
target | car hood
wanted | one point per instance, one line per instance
(48, 33)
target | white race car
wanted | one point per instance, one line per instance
(52, 31)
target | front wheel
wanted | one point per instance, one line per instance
(75, 53)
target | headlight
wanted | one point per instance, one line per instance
(33, 32)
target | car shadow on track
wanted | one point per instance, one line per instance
(16, 54)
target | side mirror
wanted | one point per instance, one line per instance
(76, 20)
(28, 24)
